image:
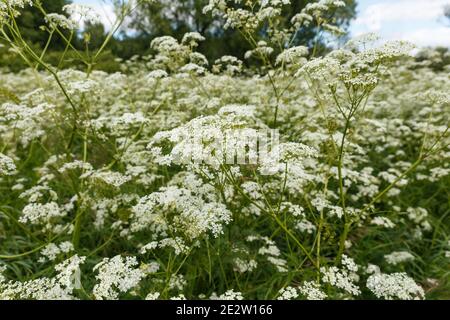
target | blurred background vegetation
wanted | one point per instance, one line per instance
(174, 18)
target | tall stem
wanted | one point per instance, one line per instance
(344, 234)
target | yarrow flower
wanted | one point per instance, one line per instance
(58, 20)
(7, 166)
(157, 74)
(52, 251)
(243, 266)
(294, 55)
(80, 13)
(288, 293)
(60, 287)
(397, 257)
(228, 64)
(173, 168)
(312, 291)
(116, 275)
(342, 278)
(394, 286)
(36, 213)
(194, 216)
(14, 5)
(383, 222)
(228, 295)
(192, 39)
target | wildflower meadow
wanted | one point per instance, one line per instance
(288, 173)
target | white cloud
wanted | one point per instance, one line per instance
(375, 15)
(106, 12)
(417, 21)
(428, 36)
(385, 17)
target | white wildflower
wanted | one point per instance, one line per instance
(7, 166)
(397, 257)
(394, 286)
(116, 275)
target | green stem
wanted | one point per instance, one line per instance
(45, 48)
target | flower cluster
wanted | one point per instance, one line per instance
(115, 276)
(289, 176)
(394, 286)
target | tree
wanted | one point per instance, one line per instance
(31, 19)
(176, 17)
(94, 35)
(447, 12)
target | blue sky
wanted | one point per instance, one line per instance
(418, 21)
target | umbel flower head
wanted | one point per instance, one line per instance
(394, 286)
(7, 166)
(12, 6)
(187, 178)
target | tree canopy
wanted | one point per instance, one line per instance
(174, 18)
(31, 19)
(160, 18)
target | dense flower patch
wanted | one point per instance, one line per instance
(96, 203)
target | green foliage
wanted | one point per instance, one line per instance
(151, 20)
(436, 58)
(175, 18)
(31, 20)
(120, 186)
